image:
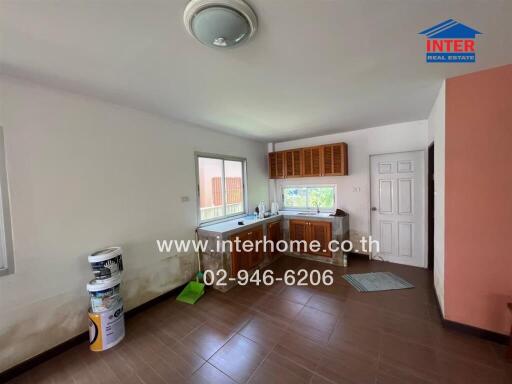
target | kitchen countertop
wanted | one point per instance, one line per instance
(228, 226)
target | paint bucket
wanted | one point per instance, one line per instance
(106, 329)
(106, 263)
(104, 294)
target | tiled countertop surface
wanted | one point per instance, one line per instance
(249, 221)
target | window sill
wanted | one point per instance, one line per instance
(221, 220)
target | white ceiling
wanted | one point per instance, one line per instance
(314, 66)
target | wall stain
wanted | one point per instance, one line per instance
(40, 326)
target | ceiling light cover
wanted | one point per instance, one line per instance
(220, 23)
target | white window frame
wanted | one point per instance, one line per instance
(6, 249)
(283, 187)
(198, 189)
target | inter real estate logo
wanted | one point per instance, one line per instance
(450, 42)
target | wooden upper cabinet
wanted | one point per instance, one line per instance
(293, 163)
(312, 161)
(276, 165)
(272, 170)
(323, 160)
(335, 159)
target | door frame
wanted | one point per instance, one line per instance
(430, 206)
(425, 198)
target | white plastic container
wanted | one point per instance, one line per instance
(106, 329)
(261, 208)
(106, 263)
(104, 294)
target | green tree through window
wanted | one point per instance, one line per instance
(309, 197)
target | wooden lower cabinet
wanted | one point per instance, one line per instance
(245, 260)
(256, 255)
(299, 233)
(322, 232)
(310, 230)
(274, 235)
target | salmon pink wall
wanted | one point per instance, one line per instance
(478, 258)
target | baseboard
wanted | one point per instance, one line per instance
(478, 332)
(26, 365)
(358, 255)
(471, 330)
(31, 363)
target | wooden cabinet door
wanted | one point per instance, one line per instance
(276, 165)
(240, 260)
(311, 161)
(320, 231)
(299, 232)
(307, 230)
(293, 163)
(272, 165)
(274, 235)
(335, 160)
(256, 255)
(325, 160)
(280, 165)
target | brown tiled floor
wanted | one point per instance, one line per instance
(293, 335)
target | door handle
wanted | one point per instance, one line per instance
(374, 208)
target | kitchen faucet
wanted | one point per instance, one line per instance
(317, 207)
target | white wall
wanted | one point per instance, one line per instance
(353, 191)
(436, 129)
(85, 174)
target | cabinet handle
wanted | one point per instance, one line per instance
(250, 233)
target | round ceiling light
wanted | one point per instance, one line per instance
(220, 23)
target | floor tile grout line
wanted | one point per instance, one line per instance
(147, 364)
(436, 349)
(120, 355)
(155, 371)
(471, 353)
(261, 363)
(177, 341)
(312, 371)
(227, 341)
(227, 374)
(188, 334)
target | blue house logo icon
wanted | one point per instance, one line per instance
(450, 42)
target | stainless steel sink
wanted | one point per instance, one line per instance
(307, 213)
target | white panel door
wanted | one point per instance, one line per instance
(398, 207)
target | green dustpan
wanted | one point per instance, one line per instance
(191, 293)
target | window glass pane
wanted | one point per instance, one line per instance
(211, 193)
(295, 197)
(234, 186)
(309, 197)
(323, 196)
